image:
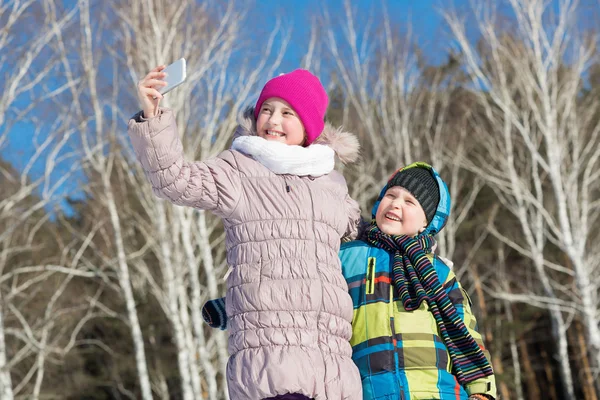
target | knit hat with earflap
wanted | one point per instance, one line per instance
(305, 94)
(421, 184)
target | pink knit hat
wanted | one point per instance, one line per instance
(305, 94)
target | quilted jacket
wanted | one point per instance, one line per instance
(288, 305)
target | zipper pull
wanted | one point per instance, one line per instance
(370, 280)
(229, 271)
(287, 187)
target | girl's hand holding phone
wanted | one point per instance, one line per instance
(148, 93)
(159, 82)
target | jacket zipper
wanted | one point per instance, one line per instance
(314, 237)
(394, 341)
(370, 281)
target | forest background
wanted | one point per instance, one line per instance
(101, 284)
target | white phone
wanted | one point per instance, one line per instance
(176, 74)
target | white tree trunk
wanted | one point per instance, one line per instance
(514, 353)
(202, 356)
(172, 291)
(179, 270)
(213, 293)
(125, 284)
(559, 329)
(190, 340)
(590, 308)
(6, 392)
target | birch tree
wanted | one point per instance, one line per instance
(541, 158)
(22, 51)
(43, 317)
(27, 194)
(189, 244)
(94, 116)
(402, 109)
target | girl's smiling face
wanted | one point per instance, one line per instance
(278, 121)
(399, 213)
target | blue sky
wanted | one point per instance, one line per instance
(427, 23)
(422, 14)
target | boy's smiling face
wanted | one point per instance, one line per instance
(399, 213)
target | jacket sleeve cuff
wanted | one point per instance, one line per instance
(485, 388)
(146, 128)
(161, 114)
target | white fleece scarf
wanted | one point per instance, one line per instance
(314, 160)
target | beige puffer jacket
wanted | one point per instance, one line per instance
(287, 302)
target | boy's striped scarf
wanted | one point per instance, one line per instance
(415, 280)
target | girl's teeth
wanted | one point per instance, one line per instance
(275, 133)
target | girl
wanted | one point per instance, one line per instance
(284, 210)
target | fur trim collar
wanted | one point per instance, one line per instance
(344, 144)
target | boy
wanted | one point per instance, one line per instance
(413, 333)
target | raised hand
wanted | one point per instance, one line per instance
(147, 91)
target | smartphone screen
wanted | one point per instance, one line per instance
(176, 74)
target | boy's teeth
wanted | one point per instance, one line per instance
(393, 218)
